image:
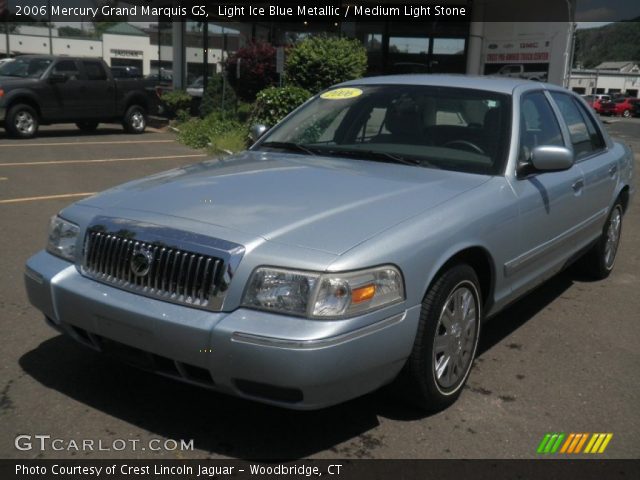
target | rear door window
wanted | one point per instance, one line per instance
(585, 135)
(94, 70)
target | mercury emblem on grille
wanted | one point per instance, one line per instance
(141, 262)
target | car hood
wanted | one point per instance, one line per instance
(321, 203)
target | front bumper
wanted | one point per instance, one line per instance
(276, 359)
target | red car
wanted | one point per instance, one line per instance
(620, 106)
(597, 101)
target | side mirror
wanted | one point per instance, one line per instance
(257, 131)
(550, 158)
(57, 78)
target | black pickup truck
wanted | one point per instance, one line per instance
(41, 89)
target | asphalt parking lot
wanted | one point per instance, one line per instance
(563, 359)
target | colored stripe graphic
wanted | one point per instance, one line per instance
(550, 443)
(573, 443)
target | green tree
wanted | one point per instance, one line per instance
(319, 62)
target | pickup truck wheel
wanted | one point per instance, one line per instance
(446, 340)
(598, 262)
(22, 121)
(87, 126)
(135, 119)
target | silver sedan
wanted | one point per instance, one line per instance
(361, 241)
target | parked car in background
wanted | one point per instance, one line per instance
(364, 238)
(520, 71)
(43, 89)
(126, 72)
(196, 89)
(620, 107)
(597, 101)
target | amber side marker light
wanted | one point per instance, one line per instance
(362, 294)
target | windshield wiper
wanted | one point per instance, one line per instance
(294, 147)
(373, 155)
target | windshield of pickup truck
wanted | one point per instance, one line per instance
(25, 68)
(437, 127)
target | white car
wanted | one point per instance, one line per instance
(196, 89)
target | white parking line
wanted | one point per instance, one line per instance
(46, 197)
(3, 178)
(103, 160)
(60, 144)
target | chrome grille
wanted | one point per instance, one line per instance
(153, 269)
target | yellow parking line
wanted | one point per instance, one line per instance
(46, 197)
(102, 160)
(60, 144)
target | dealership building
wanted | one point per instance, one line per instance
(489, 42)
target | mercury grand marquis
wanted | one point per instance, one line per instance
(364, 239)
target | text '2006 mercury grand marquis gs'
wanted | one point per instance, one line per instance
(363, 239)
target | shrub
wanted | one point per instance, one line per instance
(231, 141)
(177, 102)
(274, 103)
(257, 69)
(202, 133)
(319, 62)
(212, 96)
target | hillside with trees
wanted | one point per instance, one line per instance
(615, 42)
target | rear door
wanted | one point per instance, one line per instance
(549, 203)
(596, 161)
(100, 95)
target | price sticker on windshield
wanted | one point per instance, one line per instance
(341, 94)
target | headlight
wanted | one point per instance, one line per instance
(62, 238)
(323, 295)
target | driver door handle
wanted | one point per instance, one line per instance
(577, 185)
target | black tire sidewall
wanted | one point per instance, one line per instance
(129, 114)
(602, 270)
(429, 394)
(9, 121)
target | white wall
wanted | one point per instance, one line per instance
(607, 81)
(123, 46)
(132, 47)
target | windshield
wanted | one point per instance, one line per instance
(435, 127)
(25, 67)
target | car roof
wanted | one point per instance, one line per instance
(478, 82)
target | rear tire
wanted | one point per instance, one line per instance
(626, 114)
(87, 126)
(135, 119)
(446, 340)
(599, 261)
(22, 121)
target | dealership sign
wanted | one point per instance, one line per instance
(127, 53)
(517, 51)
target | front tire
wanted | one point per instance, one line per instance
(135, 119)
(599, 261)
(626, 114)
(22, 121)
(446, 341)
